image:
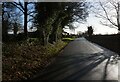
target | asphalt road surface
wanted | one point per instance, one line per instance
(82, 60)
(0, 61)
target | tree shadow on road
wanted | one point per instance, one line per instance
(112, 60)
(73, 68)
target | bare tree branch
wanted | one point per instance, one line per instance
(109, 25)
(16, 5)
(30, 12)
(20, 4)
(106, 13)
(114, 5)
(30, 20)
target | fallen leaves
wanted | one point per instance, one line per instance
(22, 60)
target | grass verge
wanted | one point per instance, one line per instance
(68, 39)
(22, 60)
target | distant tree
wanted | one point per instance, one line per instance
(90, 30)
(12, 16)
(15, 21)
(6, 9)
(79, 33)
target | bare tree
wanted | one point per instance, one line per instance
(109, 11)
(23, 7)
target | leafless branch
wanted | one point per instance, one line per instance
(20, 4)
(30, 12)
(106, 13)
(16, 5)
(30, 20)
(109, 25)
(114, 5)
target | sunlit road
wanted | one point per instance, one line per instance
(82, 60)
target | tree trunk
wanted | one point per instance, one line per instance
(119, 27)
(4, 26)
(15, 29)
(59, 35)
(45, 38)
(54, 35)
(4, 30)
(25, 19)
(119, 16)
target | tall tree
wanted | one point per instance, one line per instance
(11, 15)
(58, 17)
(46, 15)
(4, 28)
(23, 7)
(57, 28)
(6, 9)
(72, 12)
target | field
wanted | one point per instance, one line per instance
(111, 42)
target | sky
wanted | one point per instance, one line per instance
(94, 21)
(97, 27)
